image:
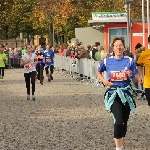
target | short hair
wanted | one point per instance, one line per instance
(116, 39)
(97, 44)
(138, 45)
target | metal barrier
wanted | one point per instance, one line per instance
(13, 62)
(80, 69)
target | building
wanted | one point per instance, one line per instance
(114, 24)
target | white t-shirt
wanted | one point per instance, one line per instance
(29, 67)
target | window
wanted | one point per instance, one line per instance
(118, 32)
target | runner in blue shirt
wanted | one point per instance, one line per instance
(121, 70)
(49, 62)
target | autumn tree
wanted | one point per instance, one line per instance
(57, 18)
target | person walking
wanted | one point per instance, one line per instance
(29, 61)
(3, 58)
(121, 70)
(49, 62)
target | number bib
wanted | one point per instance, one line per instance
(48, 60)
(118, 76)
(28, 67)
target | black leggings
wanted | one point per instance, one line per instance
(39, 69)
(121, 114)
(2, 71)
(51, 69)
(147, 94)
(27, 80)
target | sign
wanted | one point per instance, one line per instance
(118, 76)
(111, 15)
(137, 34)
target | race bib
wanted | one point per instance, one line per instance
(118, 76)
(29, 67)
(48, 60)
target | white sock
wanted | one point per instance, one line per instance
(120, 148)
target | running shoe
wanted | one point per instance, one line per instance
(33, 97)
(2, 79)
(41, 83)
(28, 97)
(49, 80)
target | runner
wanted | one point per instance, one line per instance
(29, 61)
(143, 64)
(118, 97)
(40, 66)
(49, 62)
(3, 58)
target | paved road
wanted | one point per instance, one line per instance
(67, 115)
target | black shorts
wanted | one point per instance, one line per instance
(51, 69)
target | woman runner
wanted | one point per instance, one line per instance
(121, 70)
(40, 66)
(29, 61)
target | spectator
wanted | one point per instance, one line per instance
(68, 53)
(64, 51)
(94, 50)
(138, 52)
(98, 54)
(33, 49)
(127, 52)
(24, 50)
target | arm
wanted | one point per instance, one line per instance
(99, 72)
(105, 81)
(140, 71)
(133, 73)
(23, 62)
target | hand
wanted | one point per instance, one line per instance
(129, 73)
(107, 83)
(141, 80)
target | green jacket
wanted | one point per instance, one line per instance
(23, 51)
(98, 56)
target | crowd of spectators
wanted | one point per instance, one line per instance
(95, 51)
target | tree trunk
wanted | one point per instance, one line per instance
(51, 34)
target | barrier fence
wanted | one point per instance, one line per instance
(84, 68)
(13, 62)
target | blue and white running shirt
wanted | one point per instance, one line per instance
(116, 70)
(49, 57)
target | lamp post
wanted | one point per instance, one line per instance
(143, 22)
(127, 9)
(148, 20)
